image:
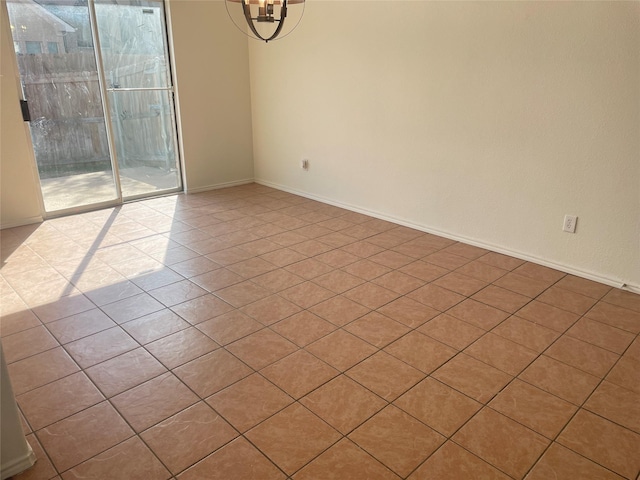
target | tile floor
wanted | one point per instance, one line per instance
(248, 333)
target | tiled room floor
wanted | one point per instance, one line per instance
(248, 333)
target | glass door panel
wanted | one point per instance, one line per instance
(144, 136)
(133, 44)
(59, 76)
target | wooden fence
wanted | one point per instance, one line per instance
(68, 125)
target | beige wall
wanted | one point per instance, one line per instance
(19, 194)
(212, 76)
(487, 121)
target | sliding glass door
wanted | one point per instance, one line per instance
(97, 82)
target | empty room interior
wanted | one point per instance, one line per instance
(400, 242)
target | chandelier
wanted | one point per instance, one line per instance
(265, 18)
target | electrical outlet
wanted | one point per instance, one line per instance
(569, 224)
(304, 164)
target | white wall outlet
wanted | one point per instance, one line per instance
(569, 224)
(304, 164)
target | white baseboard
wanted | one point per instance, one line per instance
(22, 222)
(18, 465)
(218, 186)
(494, 248)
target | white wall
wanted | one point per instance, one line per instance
(486, 121)
(212, 77)
(19, 194)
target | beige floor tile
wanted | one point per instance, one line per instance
(124, 372)
(502, 299)
(343, 403)
(339, 310)
(528, 334)
(539, 272)
(63, 307)
(178, 292)
(408, 312)
(249, 401)
(601, 335)
(299, 373)
(366, 269)
(80, 325)
(438, 405)
(308, 268)
(451, 331)
(242, 294)
(218, 279)
(153, 401)
(472, 377)
(478, 314)
(181, 347)
(526, 286)
(338, 281)
(446, 260)
(307, 294)
(189, 436)
(547, 316)
(212, 372)
(560, 462)
(622, 298)
(345, 460)
(292, 437)
(396, 439)
(73, 440)
(277, 280)
(57, 400)
(40, 369)
(420, 351)
(371, 295)
(27, 343)
(398, 282)
(377, 329)
(500, 441)
(583, 286)
(229, 327)
(586, 357)
(262, 348)
(238, 459)
(560, 379)
(604, 442)
(533, 408)
(341, 350)
(452, 462)
(132, 308)
(303, 328)
(101, 346)
(337, 258)
(616, 316)
(626, 373)
(390, 259)
(617, 404)
(425, 271)
(501, 353)
(385, 375)
(131, 459)
(202, 308)
(460, 283)
(271, 309)
(567, 300)
(482, 271)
